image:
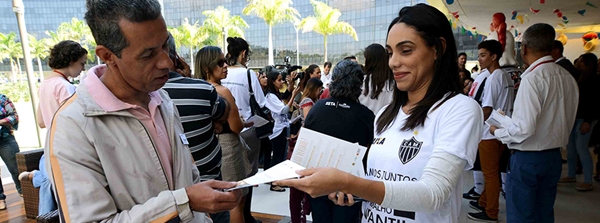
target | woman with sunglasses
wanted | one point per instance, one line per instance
(212, 67)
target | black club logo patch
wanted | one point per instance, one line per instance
(409, 149)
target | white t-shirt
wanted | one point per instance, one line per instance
(477, 83)
(384, 98)
(276, 106)
(498, 93)
(397, 155)
(326, 79)
(53, 91)
(237, 83)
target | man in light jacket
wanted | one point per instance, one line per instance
(116, 149)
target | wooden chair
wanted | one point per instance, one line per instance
(29, 161)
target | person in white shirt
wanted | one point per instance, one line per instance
(237, 81)
(498, 93)
(325, 76)
(544, 114)
(279, 112)
(378, 86)
(414, 167)
(478, 179)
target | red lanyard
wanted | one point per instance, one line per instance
(543, 62)
(65, 76)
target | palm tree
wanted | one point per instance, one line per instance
(189, 35)
(326, 22)
(218, 20)
(273, 12)
(11, 49)
(39, 50)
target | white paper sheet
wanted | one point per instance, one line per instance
(499, 120)
(314, 149)
(258, 121)
(284, 170)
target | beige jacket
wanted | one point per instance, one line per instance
(104, 166)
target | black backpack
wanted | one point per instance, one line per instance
(265, 130)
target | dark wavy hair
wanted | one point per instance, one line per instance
(432, 26)
(235, 47)
(307, 72)
(346, 80)
(312, 89)
(493, 46)
(377, 70)
(271, 77)
(65, 53)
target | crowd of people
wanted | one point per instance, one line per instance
(147, 138)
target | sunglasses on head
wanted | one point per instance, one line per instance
(221, 62)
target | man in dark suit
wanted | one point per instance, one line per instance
(557, 55)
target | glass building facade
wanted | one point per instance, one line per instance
(370, 19)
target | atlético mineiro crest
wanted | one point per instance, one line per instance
(409, 150)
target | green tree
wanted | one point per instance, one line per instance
(326, 22)
(273, 12)
(219, 19)
(39, 50)
(11, 49)
(191, 36)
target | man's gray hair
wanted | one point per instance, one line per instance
(539, 37)
(346, 80)
(103, 17)
(172, 47)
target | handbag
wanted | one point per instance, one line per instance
(267, 129)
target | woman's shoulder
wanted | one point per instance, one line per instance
(458, 104)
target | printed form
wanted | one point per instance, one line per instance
(313, 149)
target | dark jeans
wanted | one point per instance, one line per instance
(8, 149)
(325, 211)
(278, 145)
(248, 218)
(265, 152)
(531, 185)
(221, 217)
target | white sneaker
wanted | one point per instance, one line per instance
(3, 205)
(26, 176)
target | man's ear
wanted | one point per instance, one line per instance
(494, 57)
(105, 55)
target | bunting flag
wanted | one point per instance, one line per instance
(581, 12)
(535, 11)
(591, 5)
(514, 15)
(450, 2)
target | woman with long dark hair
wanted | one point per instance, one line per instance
(378, 89)
(423, 140)
(279, 111)
(238, 81)
(586, 119)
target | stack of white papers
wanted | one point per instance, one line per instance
(499, 120)
(313, 149)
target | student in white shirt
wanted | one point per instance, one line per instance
(279, 111)
(545, 108)
(325, 74)
(476, 93)
(378, 87)
(237, 81)
(498, 93)
(424, 139)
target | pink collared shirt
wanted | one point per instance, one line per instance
(151, 119)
